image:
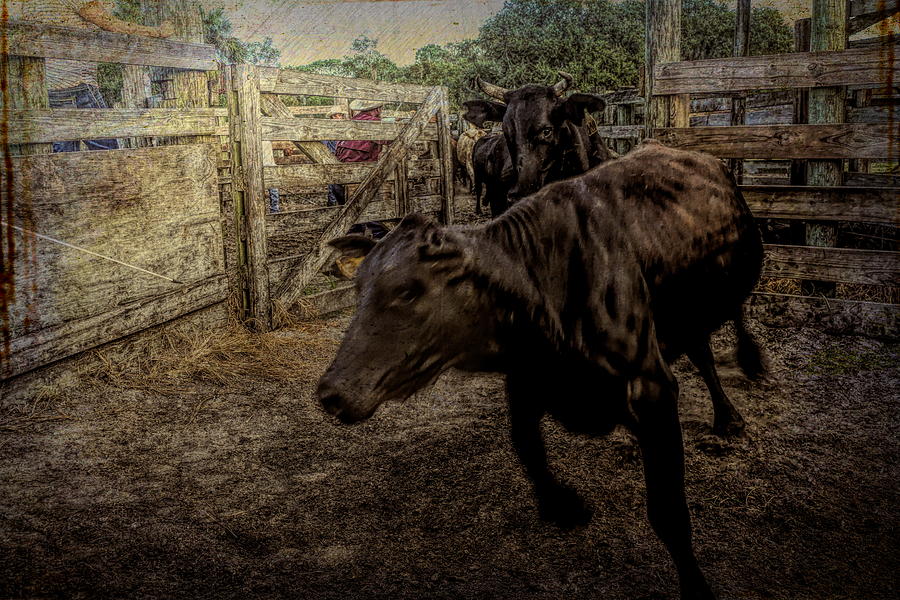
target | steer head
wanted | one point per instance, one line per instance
(538, 126)
(418, 314)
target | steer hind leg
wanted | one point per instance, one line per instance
(653, 399)
(557, 502)
(727, 420)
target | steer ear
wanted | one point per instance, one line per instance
(479, 111)
(443, 251)
(572, 109)
(353, 244)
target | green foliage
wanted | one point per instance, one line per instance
(217, 30)
(600, 42)
(263, 53)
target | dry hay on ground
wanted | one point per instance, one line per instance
(224, 479)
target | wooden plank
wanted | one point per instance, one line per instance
(445, 150)
(873, 114)
(842, 317)
(662, 47)
(868, 205)
(48, 41)
(293, 177)
(796, 69)
(859, 8)
(828, 32)
(63, 124)
(290, 81)
(401, 187)
(329, 301)
(620, 131)
(840, 265)
(123, 319)
(773, 115)
(273, 106)
(872, 180)
(153, 208)
(874, 140)
(276, 128)
(865, 13)
(291, 288)
(245, 110)
(314, 219)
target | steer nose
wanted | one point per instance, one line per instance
(330, 398)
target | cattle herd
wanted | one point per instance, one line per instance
(593, 276)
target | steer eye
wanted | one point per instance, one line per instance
(409, 293)
(546, 133)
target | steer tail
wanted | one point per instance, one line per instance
(749, 355)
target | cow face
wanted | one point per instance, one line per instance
(539, 128)
(418, 313)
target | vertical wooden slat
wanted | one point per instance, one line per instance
(244, 112)
(663, 45)
(26, 87)
(828, 31)
(801, 99)
(741, 48)
(861, 99)
(445, 149)
(401, 186)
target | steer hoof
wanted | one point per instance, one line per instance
(563, 507)
(732, 428)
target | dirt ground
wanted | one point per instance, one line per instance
(168, 484)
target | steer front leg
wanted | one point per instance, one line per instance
(653, 399)
(557, 502)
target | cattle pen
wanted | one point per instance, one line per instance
(168, 306)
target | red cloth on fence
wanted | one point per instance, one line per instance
(360, 150)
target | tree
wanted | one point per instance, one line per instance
(600, 42)
(217, 30)
(263, 53)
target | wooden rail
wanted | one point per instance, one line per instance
(822, 203)
(288, 81)
(840, 265)
(863, 140)
(275, 128)
(61, 124)
(798, 69)
(290, 177)
(48, 41)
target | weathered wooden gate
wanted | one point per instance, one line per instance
(99, 245)
(284, 241)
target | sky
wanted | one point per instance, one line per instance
(309, 30)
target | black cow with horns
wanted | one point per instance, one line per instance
(544, 139)
(582, 295)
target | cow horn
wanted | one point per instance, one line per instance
(563, 84)
(494, 91)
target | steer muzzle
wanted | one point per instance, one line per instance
(336, 403)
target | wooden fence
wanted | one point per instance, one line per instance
(770, 128)
(100, 245)
(286, 241)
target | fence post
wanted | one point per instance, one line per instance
(445, 148)
(663, 45)
(739, 103)
(249, 200)
(828, 31)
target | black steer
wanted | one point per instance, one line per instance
(582, 294)
(546, 139)
(492, 173)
